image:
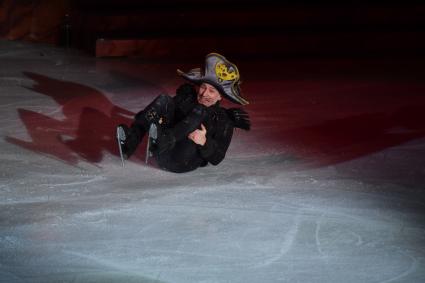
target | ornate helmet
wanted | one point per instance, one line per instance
(220, 73)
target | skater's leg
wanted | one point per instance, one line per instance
(167, 136)
(159, 111)
(129, 138)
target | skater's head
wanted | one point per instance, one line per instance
(219, 73)
(208, 95)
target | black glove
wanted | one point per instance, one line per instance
(240, 118)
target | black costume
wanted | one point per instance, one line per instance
(180, 115)
(176, 117)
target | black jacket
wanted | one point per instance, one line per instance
(217, 122)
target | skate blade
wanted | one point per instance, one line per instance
(152, 135)
(119, 139)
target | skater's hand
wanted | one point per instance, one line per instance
(199, 136)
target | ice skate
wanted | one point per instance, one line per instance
(121, 136)
(152, 141)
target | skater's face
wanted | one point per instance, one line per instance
(208, 95)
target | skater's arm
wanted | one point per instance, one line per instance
(215, 148)
(185, 98)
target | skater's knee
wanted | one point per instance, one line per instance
(162, 107)
(155, 106)
(163, 98)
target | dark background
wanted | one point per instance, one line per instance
(190, 29)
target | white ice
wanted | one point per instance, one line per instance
(262, 215)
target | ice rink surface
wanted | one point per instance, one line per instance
(328, 186)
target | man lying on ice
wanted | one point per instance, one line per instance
(191, 129)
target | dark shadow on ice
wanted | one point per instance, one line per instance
(86, 130)
(319, 122)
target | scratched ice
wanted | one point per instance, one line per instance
(327, 187)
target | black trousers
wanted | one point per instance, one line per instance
(181, 154)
